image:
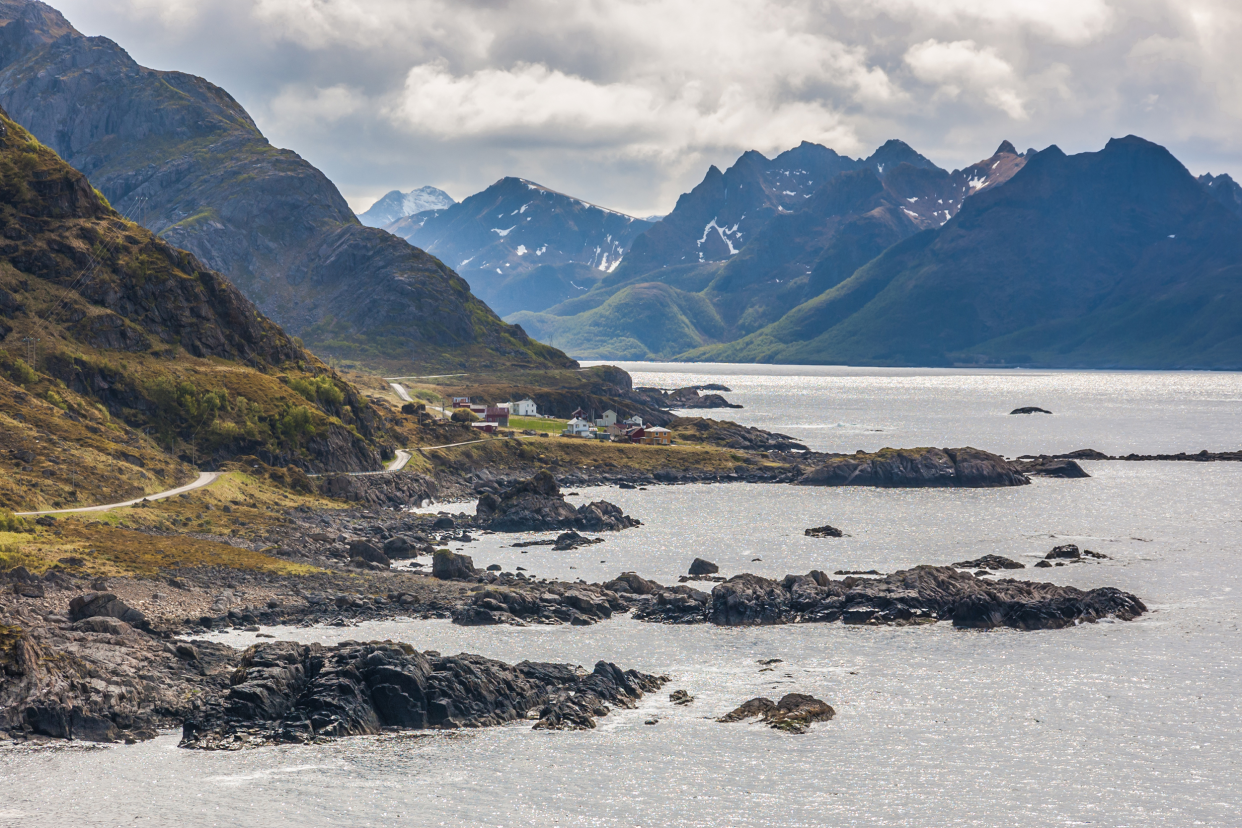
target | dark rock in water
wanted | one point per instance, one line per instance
(494, 567)
(858, 572)
(449, 566)
(1030, 409)
(632, 583)
(990, 562)
(1043, 565)
(444, 522)
(702, 567)
(369, 552)
(824, 531)
(106, 604)
(681, 698)
(537, 505)
(1052, 467)
(794, 713)
(572, 540)
(1068, 551)
(289, 693)
(924, 594)
(917, 468)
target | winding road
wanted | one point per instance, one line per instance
(204, 479)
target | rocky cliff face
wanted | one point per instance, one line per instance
(397, 205)
(180, 155)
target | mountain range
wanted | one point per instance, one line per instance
(1119, 258)
(184, 158)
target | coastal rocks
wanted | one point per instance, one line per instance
(369, 552)
(990, 562)
(106, 604)
(730, 435)
(924, 594)
(689, 397)
(681, 698)
(794, 713)
(1071, 552)
(450, 566)
(675, 605)
(1051, 467)
(824, 531)
(537, 505)
(572, 540)
(629, 582)
(290, 693)
(1030, 409)
(515, 603)
(701, 567)
(917, 468)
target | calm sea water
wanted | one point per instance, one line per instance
(1113, 724)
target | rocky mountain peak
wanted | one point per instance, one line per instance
(397, 205)
(1005, 147)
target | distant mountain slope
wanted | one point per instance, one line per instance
(790, 254)
(1117, 258)
(180, 154)
(1225, 190)
(398, 205)
(522, 246)
(132, 334)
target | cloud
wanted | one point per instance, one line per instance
(963, 65)
(626, 102)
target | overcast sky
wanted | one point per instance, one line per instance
(626, 102)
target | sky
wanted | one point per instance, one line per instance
(625, 103)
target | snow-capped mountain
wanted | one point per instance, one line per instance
(397, 205)
(523, 246)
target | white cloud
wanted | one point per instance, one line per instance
(625, 102)
(964, 65)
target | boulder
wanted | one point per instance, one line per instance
(702, 567)
(1068, 551)
(634, 584)
(681, 698)
(400, 548)
(1052, 467)
(1030, 409)
(449, 566)
(94, 604)
(537, 505)
(572, 540)
(367, 551)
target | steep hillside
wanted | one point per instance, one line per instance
(1225, 190)
(522, 246)
(1117, 258)
(124, 360)
(793, 255)
(183, 157)
(397, 205)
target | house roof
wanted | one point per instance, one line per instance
(657, 430)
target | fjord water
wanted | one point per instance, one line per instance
(1111, 724)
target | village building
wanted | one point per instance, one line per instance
(579, 415)
(608, 418)
(578, 427)
(461, 402)
(657, 436)
(524, 408)
(635, 421)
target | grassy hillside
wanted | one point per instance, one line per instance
(147, 364)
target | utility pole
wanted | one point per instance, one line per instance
(32, 350)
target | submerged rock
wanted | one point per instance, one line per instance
(924, 594)
(794, 713)
(537, 505)
(1030, 409)
(285, 692)
(681, 698)
(917, 468)
(572, 540)
(1052, 467)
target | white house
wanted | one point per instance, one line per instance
(608, 419)
(636, 421)
(578, 427)
(524, 408)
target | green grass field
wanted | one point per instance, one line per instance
(537, 424)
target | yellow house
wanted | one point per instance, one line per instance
(656, 436)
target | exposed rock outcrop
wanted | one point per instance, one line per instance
(917, 468)
(824, 531)
(990, 562)
(924, 594)
(537, 505)
(1030, 409)
(794, 713)
(1050, 467)
(290, 693)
